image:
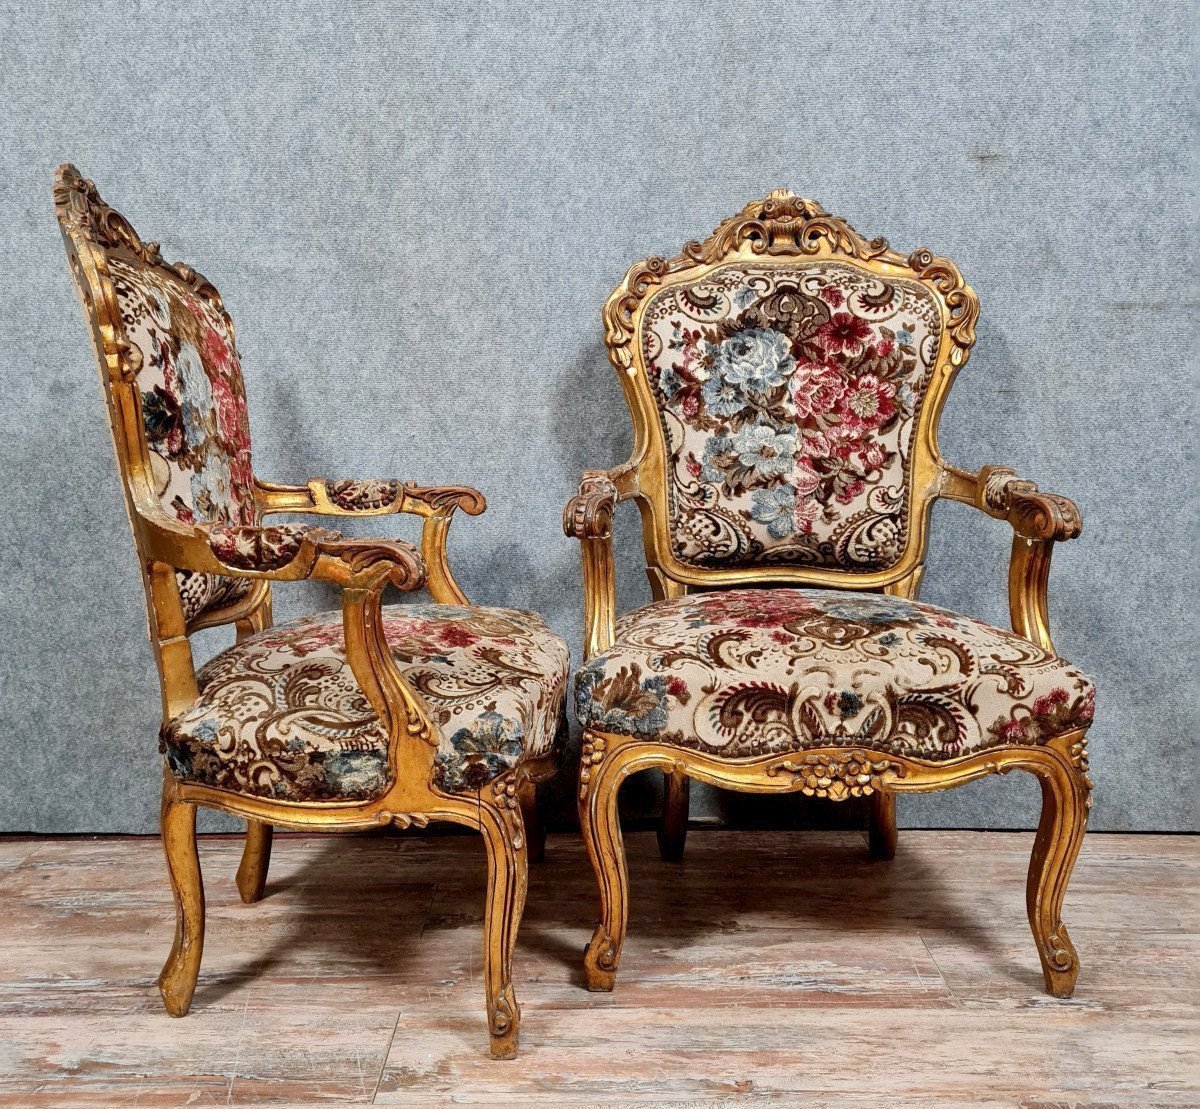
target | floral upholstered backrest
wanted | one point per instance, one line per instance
(180, 358)
(783, 373)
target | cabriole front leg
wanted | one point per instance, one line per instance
(601, 827)
(177, 982)
(1066, 799)
(502, 826)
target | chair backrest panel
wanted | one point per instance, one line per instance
(192, 397)
(788, 395)
(168, 352)
(785, 378)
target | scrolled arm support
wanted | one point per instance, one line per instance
(1032, 513)
(435, 503)
(1039, 520)
(588, 517)
(361, 568)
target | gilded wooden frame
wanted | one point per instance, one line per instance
(782, 228)
(362, 569)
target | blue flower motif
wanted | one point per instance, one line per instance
(757, 358)
(714, 446)
(869, 609)
(669, 383)
(776, 507)
(765, 450)
(904, 337)
(649, 695)
(722, 397)
(487, 748)
(195, 394)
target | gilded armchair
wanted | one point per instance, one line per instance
(785, 378)
(372, 716)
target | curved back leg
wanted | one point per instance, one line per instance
(672, 830)
(881, 826)
(256, 860)
(256, 855)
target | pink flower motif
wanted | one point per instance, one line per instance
(693, 466)
(885, 348)
(1046, 704)
(816, 388)
(832, 296)
(806, 512)
(1087, 710)
(873, 456)
(852, 490)
(1012, 731)
(677, 687)
(691, 405)
(455, 635)
(844, 332)
(231, 410)
(214, 350)
(868, 403)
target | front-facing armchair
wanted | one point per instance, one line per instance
(785, 379)
(357, 718)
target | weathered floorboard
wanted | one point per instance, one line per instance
(765, 969)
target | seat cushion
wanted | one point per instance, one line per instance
(281, 715)
(757, 671)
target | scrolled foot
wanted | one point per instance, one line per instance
(600, 962)
(1060, 963)
(504, 1025)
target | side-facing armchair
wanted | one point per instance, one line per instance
(371, 716)
(785, 379)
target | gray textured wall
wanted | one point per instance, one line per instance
(415, 214)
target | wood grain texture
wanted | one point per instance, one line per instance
(840, 981)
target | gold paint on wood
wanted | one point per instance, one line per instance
(784, 227)
(362, 569)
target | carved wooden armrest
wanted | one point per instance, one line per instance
(361, 568)
(1032, 513)
(435, 503)
(588, 517)
(1039, 520)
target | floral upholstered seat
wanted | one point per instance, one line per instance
(785, 377)
(281, 715)
(752, 672)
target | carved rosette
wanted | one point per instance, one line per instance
(839, 776)
(591, 756)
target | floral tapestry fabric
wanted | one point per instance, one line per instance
(261, 548)
(281, 715)
(193, 410)
(750, 672)
(788, 397)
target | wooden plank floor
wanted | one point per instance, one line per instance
(772, 969)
